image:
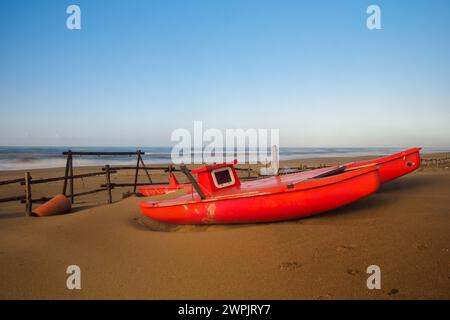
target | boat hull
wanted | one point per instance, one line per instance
(393, 166)
(161, 189)
(305, 199)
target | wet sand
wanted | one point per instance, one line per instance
(404, 228)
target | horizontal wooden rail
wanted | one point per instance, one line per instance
(243, 169)
(131, 184)
(76, 176)
(44, 199)
(11, 181)
(248, 178)
(14, 198)
(140, 168)
(88, 153)
(163, 168)
(37, 200)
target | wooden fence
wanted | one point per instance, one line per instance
(438, 162)
(68, 179)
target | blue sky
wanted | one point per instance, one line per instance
(137, 70)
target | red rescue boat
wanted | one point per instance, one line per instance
(219, 197)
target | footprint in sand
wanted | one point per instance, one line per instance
(322, 297)
(392, 292)
(289, 266)
(353, 272)
(345, 248)
(422, 246)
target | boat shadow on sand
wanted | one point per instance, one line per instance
(148, 224)
(388, 193)
(406, 183)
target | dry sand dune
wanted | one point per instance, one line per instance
(404, 229)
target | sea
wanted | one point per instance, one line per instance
(22, 158)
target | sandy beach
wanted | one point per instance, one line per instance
(404, 228)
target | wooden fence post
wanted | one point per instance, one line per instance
(169, 172)
(137, 170)
(145, 169)
(28, 199)
(66, 173)
(72, 198)
(108, 183)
